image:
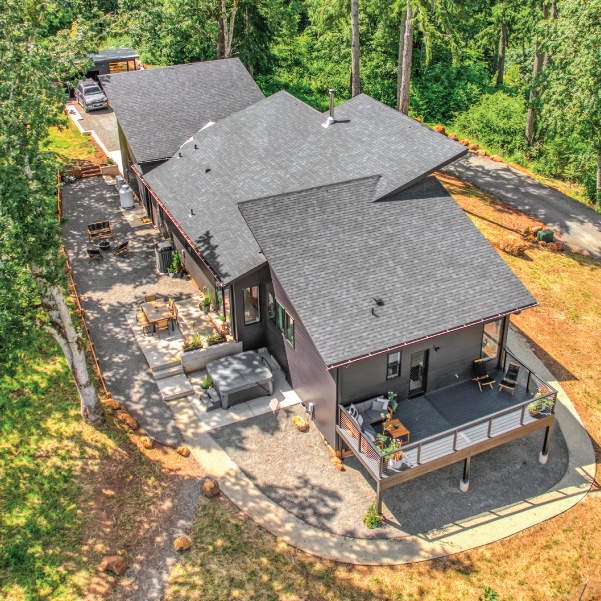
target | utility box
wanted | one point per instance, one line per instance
(163, 253)
(544, 235)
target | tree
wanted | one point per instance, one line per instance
(355, 82)
(572, 92)
(31, 265)
(406, 58)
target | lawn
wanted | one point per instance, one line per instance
(73, 148)
(233, 558)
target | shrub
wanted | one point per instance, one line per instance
(372, 518)
(498, 121)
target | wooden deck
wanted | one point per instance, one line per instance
(466, 422)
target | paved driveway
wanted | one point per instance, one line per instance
(578, 224)
(103, 122)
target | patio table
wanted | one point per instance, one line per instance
(156, 311)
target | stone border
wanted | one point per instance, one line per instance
(457, 537)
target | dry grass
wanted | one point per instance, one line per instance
(72, 148)
(233, 558)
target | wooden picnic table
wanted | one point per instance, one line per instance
(156, 311)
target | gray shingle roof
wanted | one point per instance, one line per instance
(278, 145)
(114, 54)
(334, 250)
(159, 109)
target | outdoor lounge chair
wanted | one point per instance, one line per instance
(121, 248)
(94, 253)
(510, 380)
(100, 229)
(482, 376)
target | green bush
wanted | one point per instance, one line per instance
(498, 121)
(372, 518)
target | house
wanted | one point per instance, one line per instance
(331, 243)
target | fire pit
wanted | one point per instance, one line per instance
(104, 245)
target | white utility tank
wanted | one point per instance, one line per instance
(126, 195)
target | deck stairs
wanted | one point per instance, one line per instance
(89, 171)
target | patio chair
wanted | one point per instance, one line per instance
(147, 327)
(94, 253)
(162, 325)
(171, 305)
(123, 247)
(482, 377)
(510, 380)
(148, 298)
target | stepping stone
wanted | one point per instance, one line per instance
(174, 387)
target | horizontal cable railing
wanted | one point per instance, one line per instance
(454, 439)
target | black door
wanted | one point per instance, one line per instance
(418, 373)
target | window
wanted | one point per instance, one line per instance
(394, 366)
(252, 313)
(491, 340)
(289, 333)
(271, 306)
(280, 317)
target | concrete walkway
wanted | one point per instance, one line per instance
(460, 536)
(578, 224)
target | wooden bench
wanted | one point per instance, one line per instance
(100, 229)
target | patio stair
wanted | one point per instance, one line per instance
(174, 387)
(167, 370)
(90, 171)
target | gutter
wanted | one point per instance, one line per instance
(423, 338)
(179, 229)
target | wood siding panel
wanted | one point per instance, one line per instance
(252, 336)
(307, 371)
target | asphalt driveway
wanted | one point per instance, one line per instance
(103, 122)
(577, 224)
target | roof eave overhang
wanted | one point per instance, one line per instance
(396, 347)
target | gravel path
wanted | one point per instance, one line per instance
(578, 224)
(113, 287)
(294, 470)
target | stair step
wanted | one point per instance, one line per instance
(165, 372)
(209, 403)
(197, 405)
(174, 387)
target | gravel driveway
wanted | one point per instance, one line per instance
(578, 224)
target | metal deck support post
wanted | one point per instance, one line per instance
(464, 485)
(544, 454)
(379, 498)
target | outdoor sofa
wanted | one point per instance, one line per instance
(367, 413)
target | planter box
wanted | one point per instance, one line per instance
(109, 169)
(198, 358)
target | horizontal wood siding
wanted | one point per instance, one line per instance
(452, 363)
(307, 371)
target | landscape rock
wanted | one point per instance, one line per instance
(129, 420)
(464, 142)
(473, 147)
(182, 543)
(454, 137)
(440, 129)
(496, 158)
(211, 488)
(513, 245)
(114, 563)
(183, 451)
(482, 152)
(552, 246)
(560, 245)
(536, 228)
(146, 442)
(111, 403)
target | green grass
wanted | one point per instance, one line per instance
(42, 453)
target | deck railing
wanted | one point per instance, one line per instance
(450, 441)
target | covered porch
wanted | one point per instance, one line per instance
(450, 425)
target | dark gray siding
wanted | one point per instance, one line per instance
(307, 371)
(452, 363)
(252, 336)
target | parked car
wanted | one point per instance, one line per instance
(89, 95)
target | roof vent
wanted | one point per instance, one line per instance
(179, 154)
(191, 213)
(379, 301)
(195, 146)
(331, 119)
(207, 169)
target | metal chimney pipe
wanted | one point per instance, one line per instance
(332, 103)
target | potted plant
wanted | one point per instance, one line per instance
(176, 269)
(395, 459)
(534, 407)
(213, 339)
(223, 321)
(393, 404)
(193, 342)
(205, 304)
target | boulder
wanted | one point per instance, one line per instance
(183, 451)
(473, 147)
(211, 488)
(182, 543)
(464, 142)
(454, 137)
(496, 158)
(536, 228)
(560, 245)
(114, 563)
(129, 420)
(146, 442)
(513, 245)
(111, 403)
(440, 129)
(552, 246)
(482, 152)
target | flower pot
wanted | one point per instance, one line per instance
(205, 309)
(533, 412)
(395, 464)
(177, 274)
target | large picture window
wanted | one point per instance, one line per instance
(289, 333)
(252, 312)
(491, 340)
(393, 369)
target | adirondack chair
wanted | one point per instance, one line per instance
(94, 253)
(482, 378)
(123, 247)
